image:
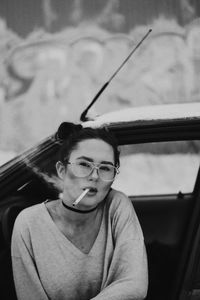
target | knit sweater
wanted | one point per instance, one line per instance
(47, 265)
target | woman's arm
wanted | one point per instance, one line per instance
(27, 282)
(127, 277)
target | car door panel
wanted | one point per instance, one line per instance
(164, 223)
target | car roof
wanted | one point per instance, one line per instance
(163, 112)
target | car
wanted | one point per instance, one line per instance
(160, 159)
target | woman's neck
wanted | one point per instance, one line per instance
(76, 218)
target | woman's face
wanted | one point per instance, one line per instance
(90, 150)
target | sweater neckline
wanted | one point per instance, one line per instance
(69, 244)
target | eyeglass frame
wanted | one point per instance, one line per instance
(94, 166)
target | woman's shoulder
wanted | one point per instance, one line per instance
(118, 200)
(118, 196)
(28, 214)
(31, 210)
(122, 213)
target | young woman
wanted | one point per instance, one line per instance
(91, 250)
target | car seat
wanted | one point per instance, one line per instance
(7, 220)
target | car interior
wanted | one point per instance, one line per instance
(165, 220)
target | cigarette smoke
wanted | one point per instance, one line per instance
(51, 180)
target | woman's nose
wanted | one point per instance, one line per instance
(95, 173)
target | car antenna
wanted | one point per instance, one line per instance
(83, 115)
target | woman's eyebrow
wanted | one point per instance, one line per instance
(107, 162)
(86, 158)
(91, 160)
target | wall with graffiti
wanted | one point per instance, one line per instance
(47, 77)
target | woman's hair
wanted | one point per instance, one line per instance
(70, 135)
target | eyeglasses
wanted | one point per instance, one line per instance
(84, 168)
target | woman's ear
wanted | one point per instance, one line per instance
(60, 169)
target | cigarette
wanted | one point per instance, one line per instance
(80, 197)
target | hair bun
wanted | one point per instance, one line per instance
(67, 128)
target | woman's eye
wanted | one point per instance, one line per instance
(105, 168)
(84, 164)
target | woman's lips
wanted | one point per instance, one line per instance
(92, 191)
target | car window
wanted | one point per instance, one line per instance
(158, 168)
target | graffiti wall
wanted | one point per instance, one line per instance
(50, 75)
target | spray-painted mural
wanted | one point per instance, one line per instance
(47, 77)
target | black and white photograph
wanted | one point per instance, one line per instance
(99, 149)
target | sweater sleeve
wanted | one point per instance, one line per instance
(127, 277)
(26, 279)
